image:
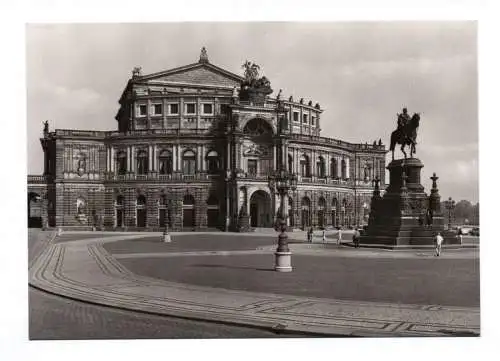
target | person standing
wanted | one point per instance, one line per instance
(311, 233)
(339, 236)
(355, 238)
(324, 235)
(439, 242)
(460, 235)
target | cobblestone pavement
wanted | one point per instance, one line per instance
(37, 241)
(433, 281)
(56, 318)
(82, 269)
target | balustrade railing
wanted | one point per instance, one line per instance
(153, 176)
(36, 178)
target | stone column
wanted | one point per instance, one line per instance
(129, 166)
(165, 105)
(275, 155)
(132, 158)
(155, 158)
(174, 157)
(150, 158)
(113, 160)
(339, 167)
(108, 162)
(148, 116)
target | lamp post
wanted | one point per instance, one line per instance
(449, 205)
(166, 236)
(282, 181)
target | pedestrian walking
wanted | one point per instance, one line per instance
(460, 236)
(439, 242)
(324, 235)
(355, 238)
(311, 232)
(339, 236)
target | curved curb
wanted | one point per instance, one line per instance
(276, 313)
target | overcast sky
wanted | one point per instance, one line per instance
(362, 74)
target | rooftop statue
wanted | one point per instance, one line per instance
(406, 133)
(254, 89)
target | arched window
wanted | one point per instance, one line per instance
(119, 211)
(163, 211)
(165, 162)
(290, 163)
(142, 162)
(121, 162)
(344, 169)
(189, 162)
(141, 211)
(321, 212)
(334, 168)
(306, 212)
(212, 162)
(343, 213)
(335, 221)
(305, 169)
(320, 167)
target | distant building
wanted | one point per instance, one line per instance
(193, 150)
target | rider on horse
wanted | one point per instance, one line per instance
(403, 120)
(406, 133)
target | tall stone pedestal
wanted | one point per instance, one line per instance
(405, 216)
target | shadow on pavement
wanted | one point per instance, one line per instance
(231, 267)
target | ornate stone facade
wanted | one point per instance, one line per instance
(191, 153)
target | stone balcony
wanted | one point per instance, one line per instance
(161, 178)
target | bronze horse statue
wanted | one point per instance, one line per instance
(407, 135)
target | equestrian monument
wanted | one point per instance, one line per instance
(405, 216)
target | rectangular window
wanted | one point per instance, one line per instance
(208, 109)
(158, 109)
(312, 120)
(304, 118)
(143, 110)
(191, 108)
(295, 116)
(173, 108)
(252, 167)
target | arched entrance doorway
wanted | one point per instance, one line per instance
(321, 213)
(306, 212)
(260, 209)
(188, 211)
(34, 210)
(141, 212)
(212, 212)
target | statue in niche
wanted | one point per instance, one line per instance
(80, 206)
(366, 173)
(81, 164)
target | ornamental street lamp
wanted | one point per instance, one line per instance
(449, 205)
(166, 236)
(282, 181)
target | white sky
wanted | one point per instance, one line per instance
(362, 74)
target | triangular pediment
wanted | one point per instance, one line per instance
(199, 73)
